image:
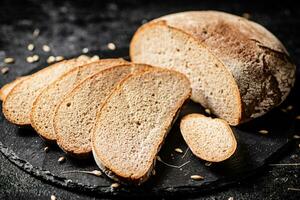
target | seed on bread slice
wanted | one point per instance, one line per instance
(9, 86)
(75, 115)
(133, 123)
(209, 139)
(44, 106)
(18, 103)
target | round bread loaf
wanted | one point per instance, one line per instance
(237, 68)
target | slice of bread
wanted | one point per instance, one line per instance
(133, 123)
(44, 106)
(9, 86)
(237, 68)
(18, 103)
(76, 114)
(209, 139)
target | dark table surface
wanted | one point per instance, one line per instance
(69, 26)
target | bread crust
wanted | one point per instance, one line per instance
(9, 115)
(197, 115)
(81, 152)
(49, 136)
(256, 59)
(142, 177)
(9, 86)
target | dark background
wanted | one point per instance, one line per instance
(69, 26)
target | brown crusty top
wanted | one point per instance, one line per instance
(258, 61)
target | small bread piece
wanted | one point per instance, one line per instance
(76, 114)
(237, 68)
(209, 139)
(44, 106)
(18, 103)
(134, 121)
(9, 86)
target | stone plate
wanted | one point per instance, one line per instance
(24, 148)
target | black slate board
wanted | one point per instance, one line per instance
(24, 148)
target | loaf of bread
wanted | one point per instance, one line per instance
(44, 106)
(237, 68)
(209, 139)
(133, 123)
(76, 114)
(18, 103)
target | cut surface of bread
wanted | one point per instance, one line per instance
(237, 68)
(133, 123)
(209, 139)
(18, 103)
(43, 110)
(9, 86)
(76, 114)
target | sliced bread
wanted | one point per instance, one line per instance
(18, 103)
(44, 106)
(76, 114)
(133, 123)
(209, 139)
(9, 86)
(237, 68)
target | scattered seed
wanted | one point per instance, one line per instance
(36, 32)
(29, 59)
(4, 70)
(53, 197)
(207, 111)
(263, 131)
(111, 46)
(46, 48)
(9, 60)
(95, 57)
(51, 59)
(178, 150)
(296, 136)
(298, 117)
(246, 15)
(144, 21)
(96, 173)
(30, 47)
(230, 198)
(59, 58)
(290, 107)
(35, 58)
(284, 110)
(115, 185)
(207, 164)
(85, 50)
(197, 177)
(153, 172)
(46, 149)
(61, 159)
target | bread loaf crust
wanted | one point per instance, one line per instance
(256, 59)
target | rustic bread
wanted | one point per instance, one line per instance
(18, 103)
(237, 68)
(44, 106)
(133, 123)
(9, 86)
(209, 139)
(75, 115)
